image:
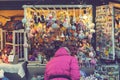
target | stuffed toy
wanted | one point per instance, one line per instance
(5, 58)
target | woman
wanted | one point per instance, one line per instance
(62, 66)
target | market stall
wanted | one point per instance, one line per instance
(50, 26)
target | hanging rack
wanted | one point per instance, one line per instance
(55, 6)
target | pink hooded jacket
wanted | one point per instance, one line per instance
(62, 64)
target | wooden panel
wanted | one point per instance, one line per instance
(114, 4)
(8, 13)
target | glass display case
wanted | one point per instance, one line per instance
(107, 31)
(117, 31)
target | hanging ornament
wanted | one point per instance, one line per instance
(42, 19)
(92, 31)
(85, 16)
(91, 25)
(67, 37)
(63, 29)
(93, 61)
(91, 54)
(75, 34)
(33, 31)
(66, 24)
(49, 23)
(24, 20)
(30, 35)
(81, 35)
(31, 22)
(73, 27)
(25, 45)
(27, 29)
(39, 27)
(35, 18)
(57, 38)
(55, 25)
(89, 36)
(49, 17)
(62, 35)
(71, 20)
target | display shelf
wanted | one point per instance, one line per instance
(106, 38)
(108, 71)
(14, 41)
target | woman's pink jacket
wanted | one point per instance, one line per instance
(62, 64)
